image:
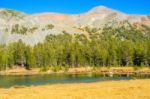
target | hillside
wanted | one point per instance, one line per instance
(33, 28)
(99, 37)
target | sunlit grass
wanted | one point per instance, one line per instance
(86, 69)
(133, 89)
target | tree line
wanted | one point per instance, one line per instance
(110, 47)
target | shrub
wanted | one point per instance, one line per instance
(66, 68)
(44, 69)
(56, 68)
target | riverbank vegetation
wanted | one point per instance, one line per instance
(111, 47)
(135, 89)
(78, 70)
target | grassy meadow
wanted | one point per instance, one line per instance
(58, 69)
(132, 89)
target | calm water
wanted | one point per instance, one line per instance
(9, 81)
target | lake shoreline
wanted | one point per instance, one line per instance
(79, 70)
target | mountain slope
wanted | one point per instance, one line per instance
(33, 28)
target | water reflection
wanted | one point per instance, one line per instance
(9, 81)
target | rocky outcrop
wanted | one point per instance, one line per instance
(12, 22)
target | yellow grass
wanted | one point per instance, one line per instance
(133, 89)
(33, 71)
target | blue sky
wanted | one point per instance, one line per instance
(76, 6)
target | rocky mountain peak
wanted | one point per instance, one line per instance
(33, 28)
(101, 10)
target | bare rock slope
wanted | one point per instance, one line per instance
(33, 28)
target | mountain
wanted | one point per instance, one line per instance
(33, 28)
